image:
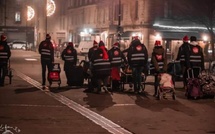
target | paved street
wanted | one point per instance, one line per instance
(26, 109)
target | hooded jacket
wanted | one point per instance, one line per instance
(159, 60)
(196, 57)
(137, 54)
(5, 52)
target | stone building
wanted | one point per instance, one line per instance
(84, 20)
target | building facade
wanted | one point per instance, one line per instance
(107, 20)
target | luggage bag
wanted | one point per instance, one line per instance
(76, 76)
(193, 86)
(54, 74)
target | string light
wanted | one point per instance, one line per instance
(50, 7)
(179, 27)
(30, 13)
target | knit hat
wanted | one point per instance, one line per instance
(3, 37)
(94, 42)
(158, 43)
(135, 37)
(116, 44)
(70, 44)
(185, 39)
(48, 36)
(193, 38)
(101, 43)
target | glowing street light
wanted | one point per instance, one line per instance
(30, 13)
(50, 7)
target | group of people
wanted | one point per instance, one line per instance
(191, 58)
(106, 64)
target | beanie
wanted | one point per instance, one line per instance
(101, 43)
(116, 44)
(48, 36)
(185, 39)
(94, 42)
(135, 37)
(158, 43)
(3, 38)
(70, 44)
(193, 38)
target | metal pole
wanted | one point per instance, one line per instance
(46, 19)
(26, 34)
(119, 22)
(5, 13)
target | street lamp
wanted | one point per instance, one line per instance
(50, 9)
(119, 23)
(29, 16)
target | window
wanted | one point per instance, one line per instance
(117, 12)
(136, 10)
(17, 16)
(167, 9)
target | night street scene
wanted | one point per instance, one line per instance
(107, 66)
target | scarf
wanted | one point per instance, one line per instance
(105, 55)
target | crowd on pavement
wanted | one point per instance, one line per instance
(105, 65)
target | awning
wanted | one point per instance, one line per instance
(178, 35)
(127, 34)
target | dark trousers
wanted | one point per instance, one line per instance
(3, 72)
(137, 77)
(46, 64)
(68, 66)
(156, 83)
(102, 79)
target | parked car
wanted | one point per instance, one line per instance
(19, 45)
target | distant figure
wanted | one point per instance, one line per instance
(117, 58)
(137, 60)
(101, 67)
(159, 62)
(93, 82)
(183, 53)
(46, 50)
(195, 59)
(5, 54)
(69, 55)
(92, 49)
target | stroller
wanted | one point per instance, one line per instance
(165, 86)
(126, 78)
(54, 74)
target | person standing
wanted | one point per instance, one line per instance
(92, 83)
(195, 59)
(46, 50)
(183, 53)
(137, 60)
(101, 67)
(69, 55)
(92, 49)
(117, 58)
(159, 63)
(5, 54)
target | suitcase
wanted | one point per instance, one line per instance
(54, 74)
(76, 76)
(193, 86)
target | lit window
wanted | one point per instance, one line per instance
(17, 17)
